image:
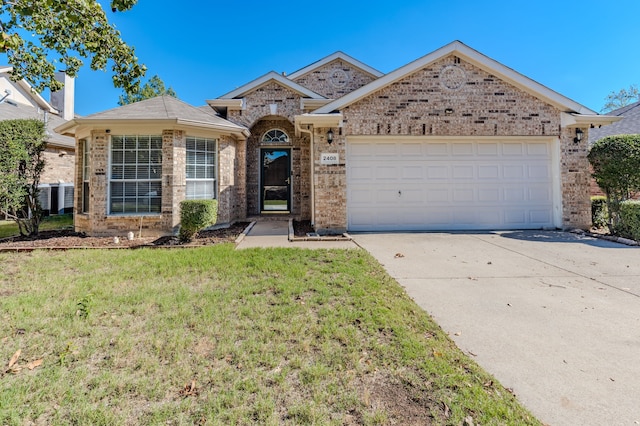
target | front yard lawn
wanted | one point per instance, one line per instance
(217, 336)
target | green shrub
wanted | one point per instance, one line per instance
(630, 219)
(196, 215)
(599, 211)
(616, 169)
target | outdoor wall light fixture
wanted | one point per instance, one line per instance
(578, 137)
(330, 136)
(448, 111)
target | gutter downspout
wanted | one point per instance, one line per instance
(312, 171)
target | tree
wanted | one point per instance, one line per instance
(40, 37)
(622, 98)
(22, 145)
(616, 169)
(154, 87)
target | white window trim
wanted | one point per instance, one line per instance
(216, 168)
(110, 178)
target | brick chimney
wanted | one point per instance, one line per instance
(63, 99)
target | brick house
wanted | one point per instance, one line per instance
(18, 100)
(452, 140)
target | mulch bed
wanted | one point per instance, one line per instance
(64, 239)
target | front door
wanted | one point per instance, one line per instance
(276, 180)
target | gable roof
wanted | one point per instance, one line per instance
(335, 56)
(472, 56)
(272, 76)
(629, 125)
(159, 109)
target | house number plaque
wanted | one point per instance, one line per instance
(327, 158)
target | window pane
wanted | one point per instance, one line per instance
(117, 189)
(117, 172)
(130, 157)
(130, 142)
(130, 172)
(117, 157)
(116, 142)
(143, 143)
(156, 142)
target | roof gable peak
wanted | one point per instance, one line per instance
(339, 55)
(266, 78)
(471, 56)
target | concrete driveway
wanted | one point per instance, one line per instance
(552, 315)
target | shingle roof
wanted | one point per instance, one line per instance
(20, 111)
(630, 123)
(159, 108)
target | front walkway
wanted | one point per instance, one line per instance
(275, 233)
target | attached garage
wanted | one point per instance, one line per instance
(464, 183)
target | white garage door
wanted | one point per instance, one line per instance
(449, 184)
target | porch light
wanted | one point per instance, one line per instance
(578, 137)
(330, 136)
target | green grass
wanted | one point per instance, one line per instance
(269, 336)
(8, 228)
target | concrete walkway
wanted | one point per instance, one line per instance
(552, 315)
(275, 233)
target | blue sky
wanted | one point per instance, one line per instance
(204, 49)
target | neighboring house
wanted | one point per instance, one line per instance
(452, 140)
(628, 125)
(19, 101)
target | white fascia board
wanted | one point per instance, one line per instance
(271, 76)
(311, 104)
(320, 120)
(232, 104)
(472, 56)
(587, 120)
(71, 127)
(337, 55)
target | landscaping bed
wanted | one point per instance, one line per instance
(66, 238)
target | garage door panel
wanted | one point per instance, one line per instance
(449, 185)
(462, 149)
(489, 171)
(411, 150)
(437, 172)
(538, 171)
(437, 149)
(362, 173)
(412, 172)
(491, 149)
(462, 172)
(512, 149)
(511, 172)
(387, 173)
(538, 149)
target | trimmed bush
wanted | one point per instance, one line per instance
(630, 219)
(599, 212)
(616, 169)
(196, 215)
